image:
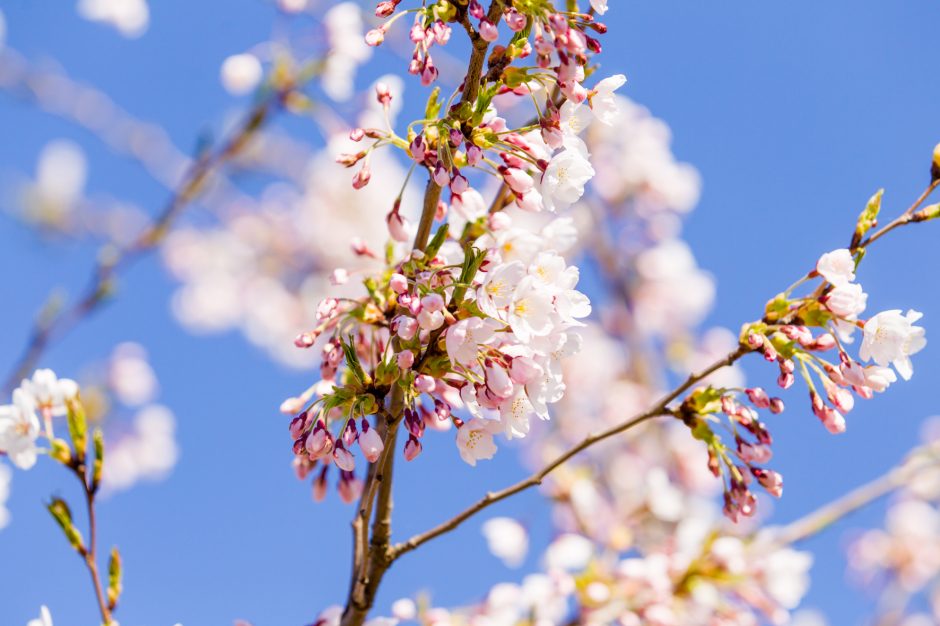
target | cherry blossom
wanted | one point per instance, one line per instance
(891, 338)
(19, 429)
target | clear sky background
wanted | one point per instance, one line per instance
(794, 113)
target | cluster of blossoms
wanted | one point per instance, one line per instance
(475, 329)
(785, 337)
(141, 447)
(479, 319)
(35, 402)
(561, 42)
(704, 578)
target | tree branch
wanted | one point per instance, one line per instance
(661, 408)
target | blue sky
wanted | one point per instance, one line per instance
(794, 113)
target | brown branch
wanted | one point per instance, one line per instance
(908, 217)
(661, 408)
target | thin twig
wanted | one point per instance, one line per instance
(661, 408)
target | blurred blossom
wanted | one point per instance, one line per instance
(3, 29)
(348, 50)
(61, 172)
(131, 377)
(129, 17)
(635, 164)
(266, 271)
(241, 73)
(147, 452)
(6, 478)
(507, 540)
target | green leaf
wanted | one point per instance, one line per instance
(78, 427)
(98, 464)
(433, 107)
(353, 364)
(63, 516)
(114, 578)
(868, 218)
(435, 246)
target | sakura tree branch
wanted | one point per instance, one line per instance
(54, 325)
(659, 409)
(922, 458)
(910, 216)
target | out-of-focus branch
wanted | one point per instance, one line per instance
(46, 328)
(926, 457)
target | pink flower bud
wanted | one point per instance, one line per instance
(384, 9)
(424, 383)
(514, 19)
(375, 37)
(525, 370)
(498, 380)
(412, 448)
(758, 397)
(357, 134)
(348, 160)
(406, 359)
(474, 155)
(350, 487)
(319, 443)
(433, 302)
(398, 227)
(319, 486)
(751, 453)
(476, 9)
(370, 442)
(339, 276)
(305, 340)
(343, 458)
(383, 94)
(362, 177)
(517, 180)
(361, 248)
(776, 406)
(459, 183)
(488, 30)
(441, 175)
(327, 308)
(406, 327)
(769, 480)
(833, 421)
(398, 283)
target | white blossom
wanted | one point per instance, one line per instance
(475, 440)
(507, 539)
(241, 73)
(19, 429)
(564, 179)
(129, 17)
(891, 338)
(604, 102)
(837, 267)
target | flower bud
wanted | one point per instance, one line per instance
(370, 442)
(488, 30)
(412, 448)
(383, 94)
(375, 37)
(319, 485)
(758, 397)
(343, 458)
(405, 359)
